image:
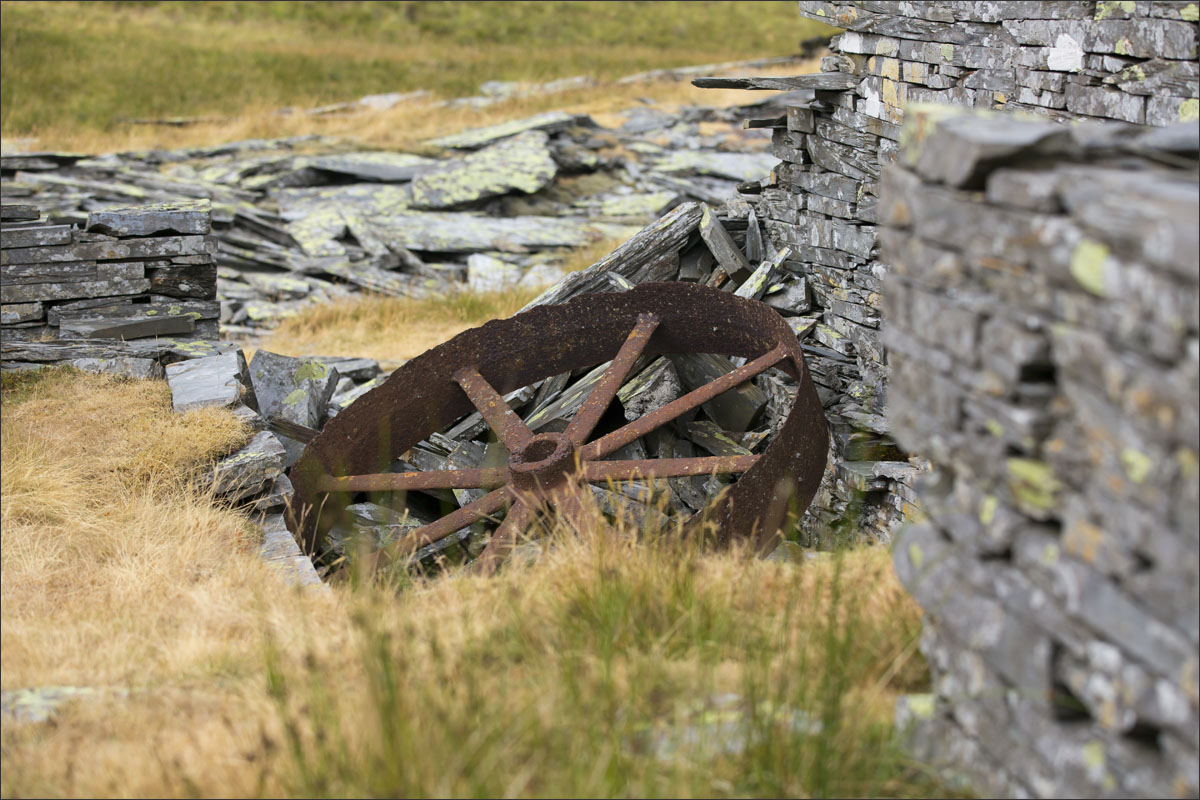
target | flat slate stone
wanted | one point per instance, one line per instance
(478, 137)
(38, 236)
(825, 81)
(650, 390)
(141, 368)
(13, 313)
(279, 549)
(17, 212)
(356, 369)
(446, 232)
(489, 274)
(382, 167)
(293, 389)
(522, 163)
(219, 380)
(185, 217)
(251, 469)
(126, 328)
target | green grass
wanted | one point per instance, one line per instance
(614, 669)
(83, 66)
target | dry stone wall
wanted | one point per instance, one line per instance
(78, 295)
(1004, 320)
(1126, 61)
(1040, 318)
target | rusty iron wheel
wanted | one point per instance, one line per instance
(473, 371)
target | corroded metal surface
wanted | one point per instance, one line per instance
(354, 452)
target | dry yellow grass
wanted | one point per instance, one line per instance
(405, 127)
(553, 678)
(390, 329)
(394, 329)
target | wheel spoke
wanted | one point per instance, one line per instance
(440, 529)
(656, 419)
(507, 424)
(602, 394)
(504, 538)
(600, 471)
(404, 481)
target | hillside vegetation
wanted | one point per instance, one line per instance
(77, 68)
(611, 666)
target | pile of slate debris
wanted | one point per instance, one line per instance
(311, 219)
(296, 222)
(289, 399)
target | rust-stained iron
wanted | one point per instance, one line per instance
(475, 369)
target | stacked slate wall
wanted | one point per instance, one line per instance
(1041, 317)
(1126, 61)
(132, 274)
(1013, 310)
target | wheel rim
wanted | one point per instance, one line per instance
(474, 370)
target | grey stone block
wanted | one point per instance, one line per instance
(219, 380)
(293, 389)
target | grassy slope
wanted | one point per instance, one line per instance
(574, 676)
(71, 67)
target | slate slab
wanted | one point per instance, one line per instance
(293, 389)
(184, 217)
(219, 380)
(522, 163)
(478, 137)
(250, 470)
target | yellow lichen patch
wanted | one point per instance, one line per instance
(1088, 266)
(1137, 465)
(1189, 110)
(1033, 483)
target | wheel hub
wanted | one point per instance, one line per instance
(543, 462)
